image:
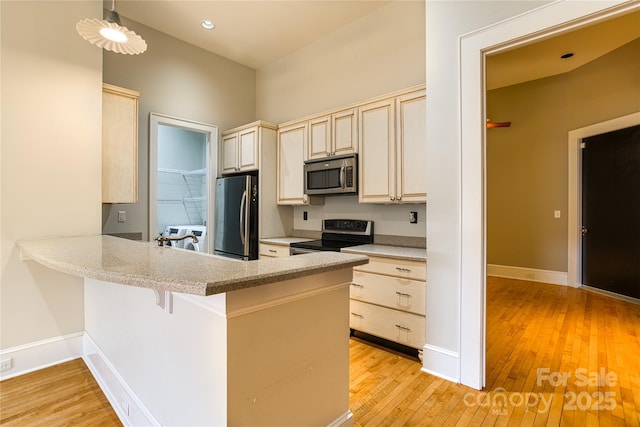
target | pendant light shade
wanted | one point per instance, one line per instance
(109, 34)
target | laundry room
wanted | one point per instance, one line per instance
(182, 186)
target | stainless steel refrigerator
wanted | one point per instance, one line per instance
(236, 217)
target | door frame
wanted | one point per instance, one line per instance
(546, 21)
(574, 276)
(211, 135)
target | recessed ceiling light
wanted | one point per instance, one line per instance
(207, 25)
(567, 55)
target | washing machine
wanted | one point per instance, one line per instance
(175, 231)
(200, 231)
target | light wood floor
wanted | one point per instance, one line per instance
(530, 326)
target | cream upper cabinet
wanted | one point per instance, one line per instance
(392, 150)
(333, 134)
(119, 144)
(292, 143)
(239, 150)
(377, 152)
(411, 148)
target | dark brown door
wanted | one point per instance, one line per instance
(611, 211)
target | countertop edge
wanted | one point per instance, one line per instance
(237, 278)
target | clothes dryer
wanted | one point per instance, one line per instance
(200, 231)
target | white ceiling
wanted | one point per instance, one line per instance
(542, 59)
(258, 32)
(253, 33)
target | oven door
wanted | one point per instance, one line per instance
(301, 251)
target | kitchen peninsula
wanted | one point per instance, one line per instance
(183, 338)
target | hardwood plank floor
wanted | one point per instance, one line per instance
(586, 344)
(64, 394)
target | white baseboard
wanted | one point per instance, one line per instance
(531, 274)
(441, 362)
(41, 354)
(124, 401)
(345, 420)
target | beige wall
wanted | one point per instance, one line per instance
(382, 52)
(527, 164)
(51, 167)
(179, 80)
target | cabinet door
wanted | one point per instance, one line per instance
(248, 149)
(292, 142)
(376, 124)
(320, 137)
(119, 145)
(411, 177)
(229, 153)
(344, 127)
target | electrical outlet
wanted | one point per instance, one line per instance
(413, 217)
(6, 364)
(122, 216)
(305, 215)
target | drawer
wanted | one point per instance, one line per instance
(398, 326)
(270, 250)
(395, 267)
(394, 292)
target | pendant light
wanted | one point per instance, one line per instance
(110, 34)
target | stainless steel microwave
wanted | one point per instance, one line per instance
(335, 175)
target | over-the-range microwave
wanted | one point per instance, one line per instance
(333, 175)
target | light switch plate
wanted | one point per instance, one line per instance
(122, 216)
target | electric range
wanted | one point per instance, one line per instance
(337, 234)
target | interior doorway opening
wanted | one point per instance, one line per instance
(541, 23)
(182, 166)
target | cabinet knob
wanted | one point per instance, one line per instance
(399, 198)
(392, 198)
(328, 154)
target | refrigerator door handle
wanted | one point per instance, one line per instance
(243, 204)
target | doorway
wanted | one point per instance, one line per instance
(182, 166)
(543, 22)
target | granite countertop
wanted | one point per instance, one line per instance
(145, 264)
(397, 252)
(284, 241)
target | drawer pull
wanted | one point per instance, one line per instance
(401, 294)
(273, 251)
(403, 328)
(357, 285)
(403, 269)
(357, 315)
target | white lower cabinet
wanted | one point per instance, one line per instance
(393, 325)
(388, 298)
